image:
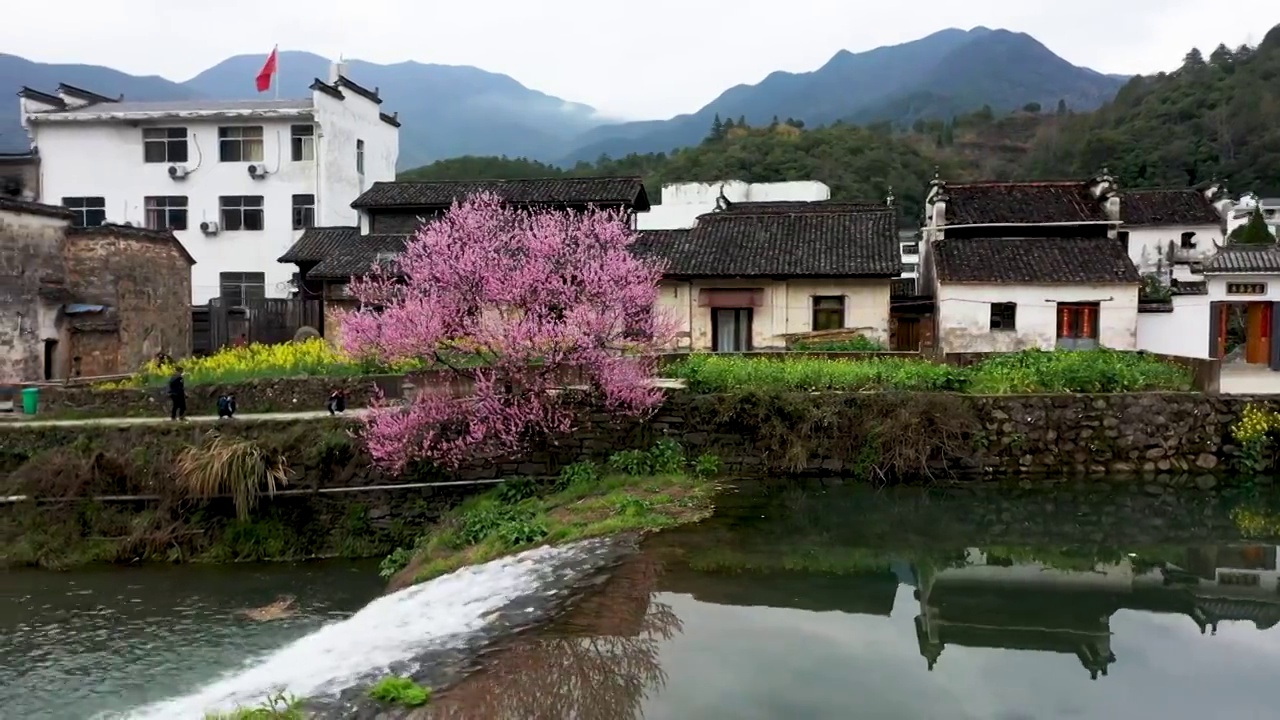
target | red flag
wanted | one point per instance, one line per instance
(268, 72)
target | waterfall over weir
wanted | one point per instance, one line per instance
(459, 612)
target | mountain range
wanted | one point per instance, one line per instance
(450, 111)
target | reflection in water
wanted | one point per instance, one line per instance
(790, 604)
(598, 663)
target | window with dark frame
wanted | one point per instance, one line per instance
(302, 143)
(828, 312)
(1004, 316)
(240, 288)
(240, 212)
(1188, 241)
(166, 212)
(240, 144)
(304, 211)
(164, 145)
(89, 211)
(360, 156)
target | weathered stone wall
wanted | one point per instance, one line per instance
(1175, 438)
(144, 276)
(1171, 438)
(303, 394)
(32, 272)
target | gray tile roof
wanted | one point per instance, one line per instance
(182, 106)
(317, 243)
(1234, 258)
(801, 206)
(847, 244)
(1023, 203)
(626, 191)
(34, 208)
(1033, 261)
(356, 257)
(1182, 206)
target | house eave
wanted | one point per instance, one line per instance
(779, 277)
(148, 116)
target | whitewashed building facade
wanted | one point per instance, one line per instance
(236, 181)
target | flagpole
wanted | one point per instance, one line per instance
(276, 51)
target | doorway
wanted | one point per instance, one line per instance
(731, 329)
(1243, 331)
(50, 354)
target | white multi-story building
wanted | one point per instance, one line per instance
(236, 181)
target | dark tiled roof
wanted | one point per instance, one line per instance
(1022, 204)
(572, 191)
(801, 206)
(345, 82)
(795, 245)
(1167, 207)
(112, 230)
(86, 95)
(34, 208)
(393, 119)
(327, 89)
(41, 97)
(1033, 260)
(356, 257)
(318, 243)
(1234, 258)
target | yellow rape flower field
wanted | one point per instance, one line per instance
(308, 358)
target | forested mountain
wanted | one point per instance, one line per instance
(944, 74)
(1213, 118)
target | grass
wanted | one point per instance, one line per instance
(230, 466)
(639, 491)
(400, 691)
(275, 707)
(1029, 371)
(857, 343)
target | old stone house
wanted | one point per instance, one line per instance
(87, 301)
(746, 277)
(328, 257)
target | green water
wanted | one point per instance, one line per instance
(821, 601)
(839, 602)
(81, 643)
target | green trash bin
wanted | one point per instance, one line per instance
(30, 400)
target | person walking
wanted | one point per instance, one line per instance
(177, 396)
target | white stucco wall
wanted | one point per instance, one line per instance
(105, 159)
(787, 308)
(342, 123)
(1183, 332)
(1149, 245)
(964, 315)
(1217, 285)
(682, 203)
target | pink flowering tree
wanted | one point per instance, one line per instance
(511, 306)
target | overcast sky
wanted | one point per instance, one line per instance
(646, 59)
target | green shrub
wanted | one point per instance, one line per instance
(401, 691)
(1078, 371)
(578, 474)
(516, 490)
(857, 343)
(706, 466)
(666, 457)
(1029, 371)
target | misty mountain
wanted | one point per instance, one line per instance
(445, 110)
(944, 74)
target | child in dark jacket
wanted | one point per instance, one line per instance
(337, 401)
(226, 406)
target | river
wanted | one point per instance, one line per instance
(827, 601)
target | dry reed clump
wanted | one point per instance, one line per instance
(236, 467)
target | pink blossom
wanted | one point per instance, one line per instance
(535, 298)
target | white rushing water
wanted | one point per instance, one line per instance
(441, 613)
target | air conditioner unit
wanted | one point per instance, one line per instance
(209, 228)
(178, 172)
(257, 172)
